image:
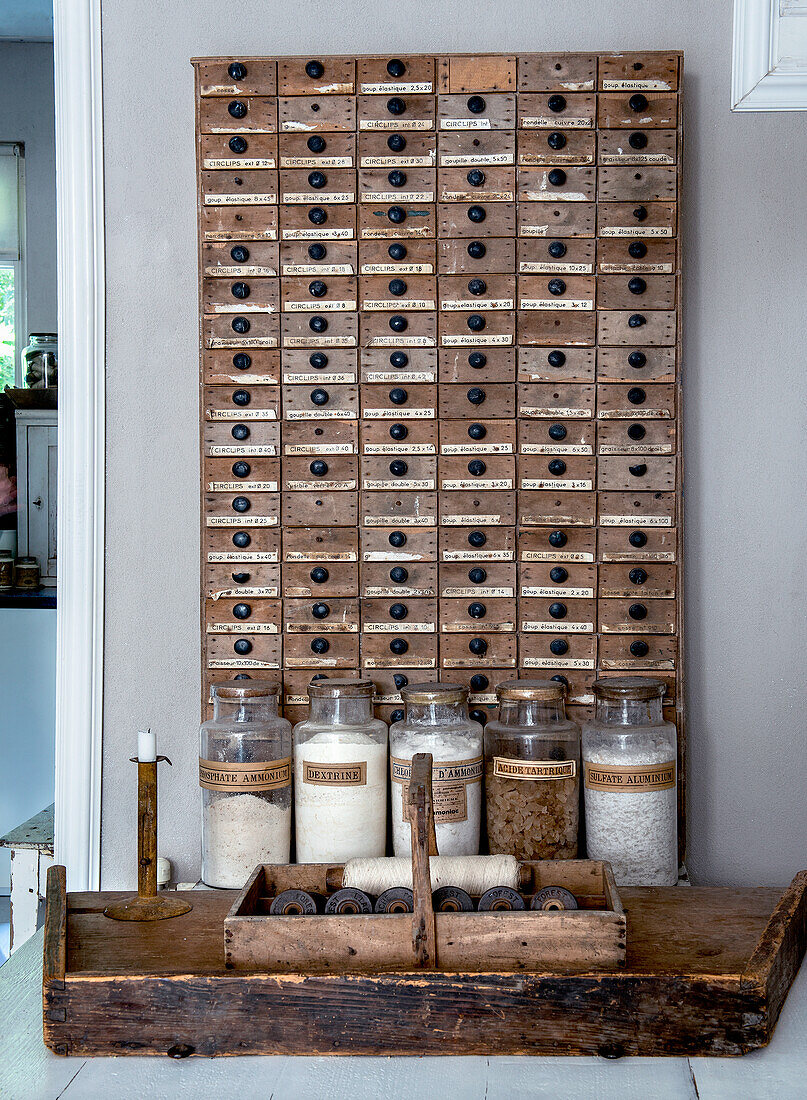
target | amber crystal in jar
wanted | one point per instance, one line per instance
(532, 772)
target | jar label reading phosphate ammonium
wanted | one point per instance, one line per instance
(534, 769)
(449, 782)
(335, 775)
(262, 775)
(630, 777)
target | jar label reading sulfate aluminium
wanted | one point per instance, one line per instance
(449, 783)
(262, 775)
(630, 777)
(336, 775)
(507, 768)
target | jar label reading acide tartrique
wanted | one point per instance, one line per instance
(507, 768)
(261, 775)
(449, 783)
(630, 777)
(336, 775)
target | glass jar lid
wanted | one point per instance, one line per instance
(443, 694)
(512, 691)
(246, 689)
(340, 688)
(628, 687)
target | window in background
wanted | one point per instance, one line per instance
(12, 298)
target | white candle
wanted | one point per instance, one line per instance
(146, 746)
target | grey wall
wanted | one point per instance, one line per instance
(27, 115)
(745, 392)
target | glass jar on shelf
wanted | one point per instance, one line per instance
(40, 360)
(532, 772)
(630, 788)
(245, 776)
(436, 721)
(340, 774)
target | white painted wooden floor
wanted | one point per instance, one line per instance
(28, 1071)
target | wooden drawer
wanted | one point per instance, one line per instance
(241, 581)
(337, 330)
(557, 72)
(415, 257)
(317, 76)
(482, 257)
(239, 223)
(396, 220)
(385, 651)
(637, 543)
(491, 111)
(544, 293)
(413, 150)
(643, 292)
(463, 580)
(237, 78)
(476, 219)
(638, 184)
(399, 329)
(631, 72)
(556, 111)
(258, 367)
(556, 615)
(549, 581)
(241, 475)
(645, 110)
(316, 114)
(259, 330)
(470, 73)
(555, 184)
(415, 437)
(241, 403)
(478, 473)
(321, 368)
(489, 613)
(569, 364)
(398, 294)
(642, 220)
(255, 652)
(625, 327)
(655, 256)
(317, 151)
(482, 185)
(318, 260)
(569, 652)
(477, 328)
(621, 402)
(636, 364)
(315, 186)
(636, 437)
(320, 509)
(411, 402)
(654, 473)
(400, 510)
(482, 437)
(557, 544)
(485, 149)
(480, 367)
(558, 147)
(410, 544)
(475, 509)
(647, 510)
(556, 400)
(397, 113)
(235, 616)
(241, 151)
(321, 580)
(240, 440)
(464, 544)
(561, 219)
(320, 403)
(639, 651)
(402, 472)
(395, 75)
(413, 365)
(494, 401)
(634, 582)
(250, 295)
(415, 579)
(333, 473)
(556, 437)
(239, 187)
(317, 439)
(567, 473)
(398, 615)
(247, 545)
(240, 261)
(323, 544)
(621, 616)
(409, 185)
(241, 114)
(646, 147)
(480, 292)
(319, 222)
(334, 294)
(295, 691)
(321, 651)
(574, 256)
(479, 649)
(538, 508)
(332, 616)
(545, 328)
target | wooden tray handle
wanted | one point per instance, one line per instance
(424, 844)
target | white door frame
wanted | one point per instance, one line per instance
(80, 517)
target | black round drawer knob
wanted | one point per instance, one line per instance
(637, 431)
(397, 539)
(637, 140)
(476, 177)
(558, 574)
(399, 611)
(557, 539)
(477, 575)
(239, 254)
(319, 397)
(319, 575)
(556, 140)
(398, 467)
(560, 680)
(242, 647)
(241, 469)
(477, 431)
(396, 106)
(240, 578)
(477, 360)
(637, 360)
(399, 359)
(478, 646)
(639, 470)
(240, 290)
(637, 285)
(314, 69)
(556, 103)
(400, 680)
(399, 575)
(242, 361)
(237, 108)
(637, 611)
(181, 1046)
(476, 250)
(557, 177)
(476, 322)
(318, 360)
(317, 216)
(241, 539)
(636, 395)
(637, 249)
(238, 144)
(237, 70)
(477, 538)
(396, 716)
(317, 143)
(398, 396)
(397, 287)
(476, 104)
(241, 397)
(398, 431)
(478, 716)
(242, 611)
(476, 467)
(476, 213)
(240, 325)
(320, 611)
(320, 645)
(557, 467)
(318, 324)
(556, 359)
(636, 320)
(399, 646)
(317, 180)
(396, 67)
(317, 289)
(398, 323)
(475, 395)
(318, 467)
(396, 142)
(558, 646)
(557, 432)
(639, 648)
(637, 538)
(479, 682)
(640, 213)
(397, 251)
(397, 178)
(637, 576)
(557, 249)
(477, 610)
(239, 431)
(638, 102)
(477, 287)
(556, 286)
(558, 610)
(317, 251)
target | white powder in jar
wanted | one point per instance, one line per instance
(636, 832)
(336, 821)
(457, 805)
(239, 832)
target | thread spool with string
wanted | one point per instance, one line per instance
(500, 899)
(397, 899)
(474, 874)
(452, 899)
(349, 900)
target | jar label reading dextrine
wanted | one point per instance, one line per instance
(336, 775)
(630, 777)
(449, 783)
(506, 768)
(262, 775)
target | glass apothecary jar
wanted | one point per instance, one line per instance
(340, 774)
(629, 781)
(39, 360)
(532, 772)
(436, 721)
(245, 776)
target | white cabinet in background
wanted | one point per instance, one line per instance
(36, 488)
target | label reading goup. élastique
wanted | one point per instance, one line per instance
(335, 775)
(449, 786)
(262, 775)
(641, 778)
(506, 768)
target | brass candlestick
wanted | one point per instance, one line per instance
(147, 904)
